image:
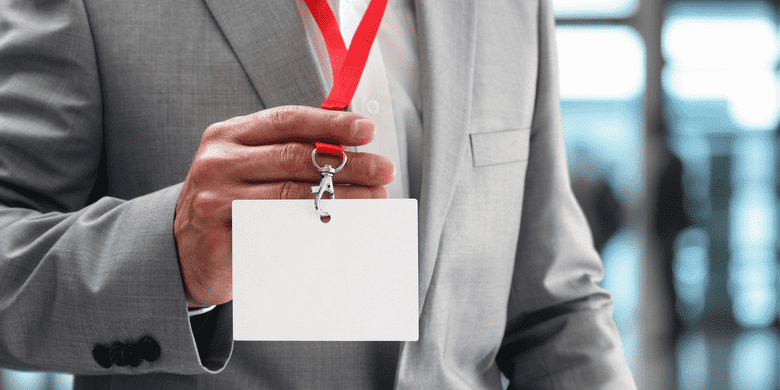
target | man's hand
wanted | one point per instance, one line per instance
(266, 155)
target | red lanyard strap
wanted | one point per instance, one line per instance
(347, 65)
(329, 149)
(326, 21)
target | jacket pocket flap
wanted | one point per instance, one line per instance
(500, 147)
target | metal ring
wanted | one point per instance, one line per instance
(319, 168)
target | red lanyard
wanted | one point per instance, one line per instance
(347, 65)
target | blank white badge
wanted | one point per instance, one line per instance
(298, 278)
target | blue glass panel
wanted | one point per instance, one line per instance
(751, 284)
(12, 379)
(595, 9)
(753, 216)
(693, 369)
(601, 63)
(604, 139)
(753, 269)
(754, 306)
(754, 159)
(720, 83)
(753, 360)
(621, 258)
(602, 85)
(724, 53)
(691, 272)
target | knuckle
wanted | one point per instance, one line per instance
(291, 157)
(205, 205)
(372, 170)
(338, 124)
(283, 117)
(210, 161)
(214, 131)
(290, 190)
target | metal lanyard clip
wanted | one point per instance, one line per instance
(326, 184)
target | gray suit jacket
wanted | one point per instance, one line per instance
(102, 106)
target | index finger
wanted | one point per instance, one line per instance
(300, 124)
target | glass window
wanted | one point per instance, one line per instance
(567, 9)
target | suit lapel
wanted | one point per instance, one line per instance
(447, 35)
(270, 42)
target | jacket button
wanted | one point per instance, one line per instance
(130, 355)
(100, 354)
(148, 348)
(115, 354)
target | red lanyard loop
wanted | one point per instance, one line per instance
(347, 65)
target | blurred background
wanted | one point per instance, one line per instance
(671, 115)
(671, 120)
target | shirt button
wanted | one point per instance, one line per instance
(372, 106)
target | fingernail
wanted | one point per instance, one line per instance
(363, 129)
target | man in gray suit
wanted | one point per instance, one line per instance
(110, 229)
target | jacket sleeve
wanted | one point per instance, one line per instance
(78, 271)
(560, 332)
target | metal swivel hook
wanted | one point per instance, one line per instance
(326, 184)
